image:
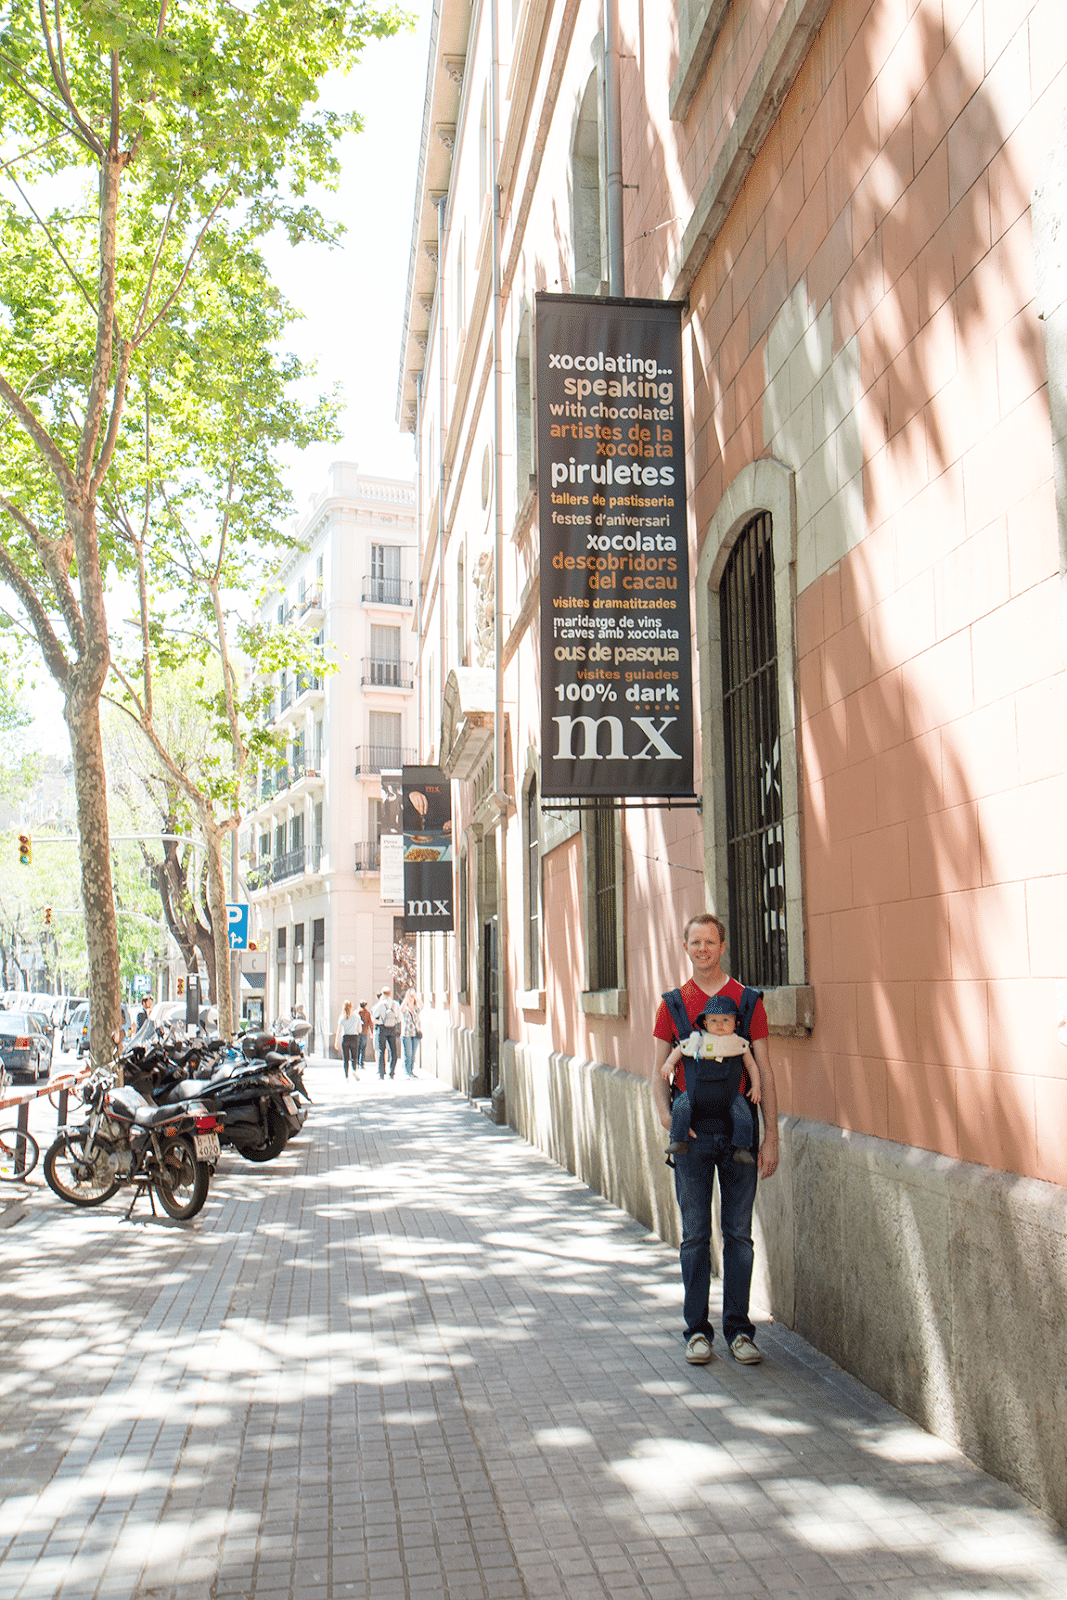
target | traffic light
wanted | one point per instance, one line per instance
(181, 988)
(48, 916)
(252, 945)
(25, 850)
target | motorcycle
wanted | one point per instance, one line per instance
(170, 1151)
(257, 1092)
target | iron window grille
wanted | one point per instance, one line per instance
(755, 841)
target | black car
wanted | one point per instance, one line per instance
(25, 1047)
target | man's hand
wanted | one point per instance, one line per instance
(767, 1160)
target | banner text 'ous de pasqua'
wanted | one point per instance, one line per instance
(616, 678)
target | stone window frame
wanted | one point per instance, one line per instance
(604, 1002)
(763, 486)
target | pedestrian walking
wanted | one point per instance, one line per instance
(710, 1152)
(386, 1017)
(410, 1030)
(348, 1037)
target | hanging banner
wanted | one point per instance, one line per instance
(616, 679)
(427, 851)
(391, 839)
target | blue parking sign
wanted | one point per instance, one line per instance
(237, 918)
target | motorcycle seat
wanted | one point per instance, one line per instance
(190, 1089)
(151, 1116)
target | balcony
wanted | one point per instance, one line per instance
(379, 757)
(368, 856)
(387, 592)
(310, 606)
(275, 869)
(383, 672)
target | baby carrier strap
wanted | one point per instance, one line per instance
(679, 1016)
(745, 1009)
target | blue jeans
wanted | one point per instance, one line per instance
(694, 1183)
(410, 1044)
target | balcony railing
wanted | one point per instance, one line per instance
(386, 673)
(375, 757)
(273, 869)
(272, 784)
(368, 856)
(387, 591)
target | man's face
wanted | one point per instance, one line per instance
(704, 947)
(720, 1022)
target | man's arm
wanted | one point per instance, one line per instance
(768, 1150)
(660, 1092)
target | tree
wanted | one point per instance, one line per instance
(204, 523)
(193, 123)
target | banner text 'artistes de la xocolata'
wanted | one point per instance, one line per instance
(616, 681)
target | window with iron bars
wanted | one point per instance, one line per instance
(532, 885)
(601, 823)
(755, 842)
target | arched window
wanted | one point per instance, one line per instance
(586, 232)
(745, 602)
(752, 769)
(524, 427)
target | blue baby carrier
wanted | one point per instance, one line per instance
(720, 1080)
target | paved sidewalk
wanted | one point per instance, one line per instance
(412, 1357)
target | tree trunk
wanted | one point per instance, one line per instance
(215, 837)
(82, 715)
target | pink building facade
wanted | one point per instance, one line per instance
(863, 204)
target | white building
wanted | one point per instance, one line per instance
(310, 847)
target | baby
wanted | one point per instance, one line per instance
(714, 1040)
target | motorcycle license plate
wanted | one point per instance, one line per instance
(207, 1147)
(290, 1104)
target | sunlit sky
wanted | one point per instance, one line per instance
(352, 297)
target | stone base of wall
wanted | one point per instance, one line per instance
(940, 1284)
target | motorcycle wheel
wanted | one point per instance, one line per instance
(277, 1139)
(183, 1185)
(64, 1173)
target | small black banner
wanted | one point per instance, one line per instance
(616, 678)
(427, 851)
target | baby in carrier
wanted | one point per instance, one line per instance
(711, 1048)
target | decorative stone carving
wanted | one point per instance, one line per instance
(430, 249)
(454, 66)
(446, 133)
(485, 610)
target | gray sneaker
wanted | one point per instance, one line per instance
(742, 1349)
(698, 1350)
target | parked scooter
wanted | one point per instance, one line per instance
(170, 1151)
(256, 1092)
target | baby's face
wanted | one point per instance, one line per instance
(720, 1022)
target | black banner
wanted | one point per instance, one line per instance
(427, 851)
(616, 680)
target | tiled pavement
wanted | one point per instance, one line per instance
(412, 1357)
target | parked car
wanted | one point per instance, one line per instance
(25, 1047)
(65, 1007)
(47, 1027)
(74, 1027)
(80, 1027)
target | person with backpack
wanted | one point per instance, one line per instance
(711, 1154)
(387, 1019)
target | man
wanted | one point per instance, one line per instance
(704, 940)
(386, 1018)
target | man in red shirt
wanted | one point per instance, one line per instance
(710, 1152)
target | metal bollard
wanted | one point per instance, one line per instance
(21, 1145)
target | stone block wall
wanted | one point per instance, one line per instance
(938, 1282)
